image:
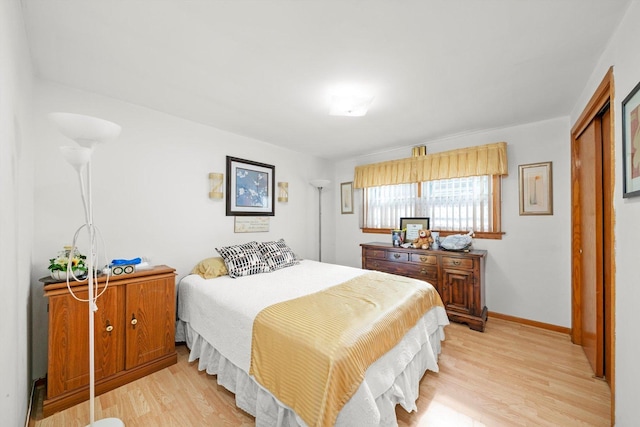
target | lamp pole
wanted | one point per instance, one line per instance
(320, 224)
(320, 184)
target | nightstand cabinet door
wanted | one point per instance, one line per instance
(69, 340)
(150, 320)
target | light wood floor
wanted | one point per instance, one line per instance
(510, 375)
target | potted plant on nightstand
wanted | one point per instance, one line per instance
(58, 265)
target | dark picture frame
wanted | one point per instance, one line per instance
(250, 188)
(631, 144)
(412, 226)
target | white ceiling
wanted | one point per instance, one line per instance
(268, 68)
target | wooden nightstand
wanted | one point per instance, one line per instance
(134, 334)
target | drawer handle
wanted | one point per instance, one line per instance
(423, 258)
(109, 327)
(456, 262)
(396, 256)
(423, 271)
(376, 264)
(134, 321)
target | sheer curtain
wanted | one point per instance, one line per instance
(460, 204)
(385, 205)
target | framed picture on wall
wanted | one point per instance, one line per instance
(536, 189)
(631, 144)
(346, 197)
(250, 188)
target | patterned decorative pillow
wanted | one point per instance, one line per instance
(277, 254)
(210, 268)
(243, 260)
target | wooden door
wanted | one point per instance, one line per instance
(68, 365)
(150, 317)
(593, 239)
(588, 152)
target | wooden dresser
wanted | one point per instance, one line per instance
(134, 334)
(458, 276)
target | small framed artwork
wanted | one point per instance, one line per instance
(346, 197)
(250, 188)
(631, 144)
(411, 226)
(536, 189)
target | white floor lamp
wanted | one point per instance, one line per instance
(320, 184)
(87, 132)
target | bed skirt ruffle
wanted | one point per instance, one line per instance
(393, 379)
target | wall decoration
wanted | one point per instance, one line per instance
(255, 224)
(411, 226)
(215, 182)
(346, 197)
(283, 192)
(250, 188)
(536, 189)
(631, 144)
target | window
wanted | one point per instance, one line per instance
(454, 205)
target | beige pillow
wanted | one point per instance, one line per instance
(210, 268)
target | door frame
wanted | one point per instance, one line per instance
(603, 96)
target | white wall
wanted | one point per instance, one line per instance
(622, 54)
(151, 191)
(16, 228)
(528, 271)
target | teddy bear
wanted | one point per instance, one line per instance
(424, 239)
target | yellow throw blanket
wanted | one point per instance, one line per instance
(312, 352)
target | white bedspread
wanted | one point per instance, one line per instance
(216, 316)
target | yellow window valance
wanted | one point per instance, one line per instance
(490, 159)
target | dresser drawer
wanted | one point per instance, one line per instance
(426, 273)
(423, 259)
(386, 266)
(423, 272)
(397, 256)
(375, 253)
(452, 262)
(389, 255)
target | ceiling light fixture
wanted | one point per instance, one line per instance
(350, 105)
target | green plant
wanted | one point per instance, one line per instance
(60, 262)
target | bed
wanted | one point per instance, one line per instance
(216, 318)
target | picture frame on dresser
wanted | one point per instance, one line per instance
(412, 226)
